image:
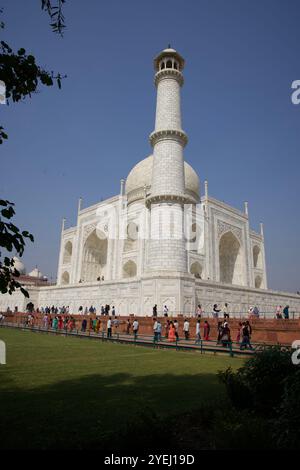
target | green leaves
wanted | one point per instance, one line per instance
(3, 135)
(56, 15)
(22, 76)
(11, 239)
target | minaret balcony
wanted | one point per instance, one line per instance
(165, 134)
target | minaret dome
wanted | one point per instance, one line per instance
(168, 59)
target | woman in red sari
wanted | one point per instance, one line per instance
(171, 333)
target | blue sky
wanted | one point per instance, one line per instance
(244, 132)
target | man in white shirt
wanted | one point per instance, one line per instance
(135, 327)
(155, 330)
(166, 311)
(186, 328)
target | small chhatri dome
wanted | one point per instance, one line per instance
(140, 178)
(167, 57)
(19, 266)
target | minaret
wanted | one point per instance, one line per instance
(167, 250)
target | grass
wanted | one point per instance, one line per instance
(58, 392)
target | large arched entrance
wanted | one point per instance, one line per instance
(230, 259)
(94, 257)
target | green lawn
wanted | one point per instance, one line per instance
(57, 391)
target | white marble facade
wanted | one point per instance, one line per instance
(159, 241)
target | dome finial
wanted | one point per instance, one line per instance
(169, 46)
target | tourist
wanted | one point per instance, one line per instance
(176, 325)
(128, 326)
(158, 328)
(94, 324)
(80, 310)
(167, 326)
(186, 329)
(239, 333)
(86, 311)
(135, 327)
(102, 310)
(278, 312)
(198, 332)
(225, 338)
(219, 331)
(91, 324)
(199, 311)
(249, 327)
(155, 310)
(155, 329)
(98, 325)
(216, 311)
(166, 310)
(256, 311)
(60, 323)
(84, 325)
(171, 335)
(46, 321)
(206, 330)
(72, 323)
(225, 311)
(115, 324)
(108, 327)
(113, 311)
(286, 312)
(55, 323)
(245, 337)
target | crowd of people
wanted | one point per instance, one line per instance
(168, 329)
(215, 312)
(65, 310)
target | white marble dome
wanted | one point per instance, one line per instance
(18, 265)
(141, 174)
(36, 273)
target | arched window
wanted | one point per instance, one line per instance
(131, 242)
(129, 269)
(258, 282)
(230, 260)
(94, 257)
(257, 259)
(162, 65)
(65, 279)
(196, 269)
(169, 64)
(175, 66)
(67, 252)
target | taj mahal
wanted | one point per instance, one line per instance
(163, 239)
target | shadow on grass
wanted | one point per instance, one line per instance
(97, 411)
